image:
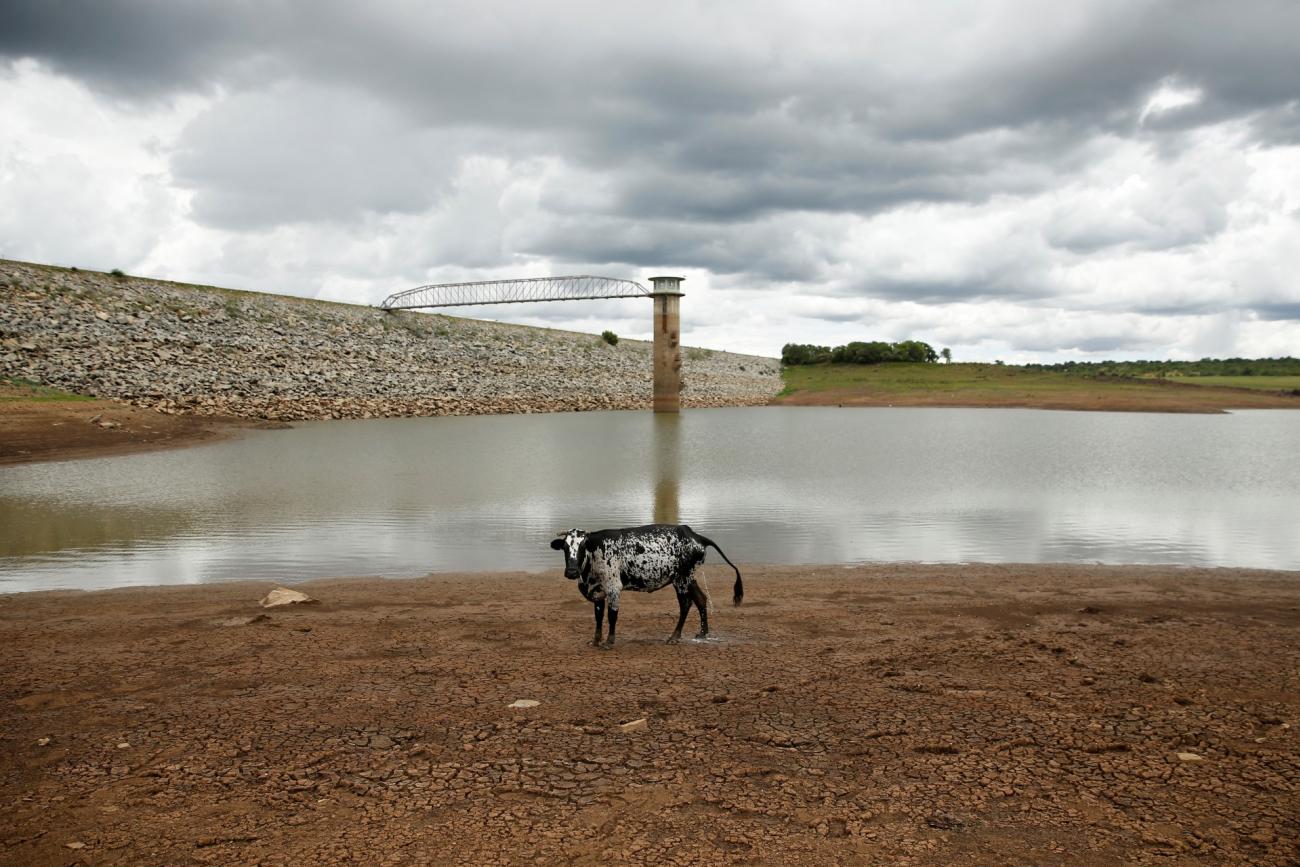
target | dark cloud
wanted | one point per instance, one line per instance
(304, 153)
(1124, 340)
(731, 139)
(829, 316)
(1280, 125)
(1090, 233)
(1281, 311)
(766, 249)
(611, 70)
(1191, 307)
(948, 291)
(140, 48)
(701, 128)
(1113, 343)
(859, 176)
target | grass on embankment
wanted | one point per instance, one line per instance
(25, 390)
(995, 385)
(1259, 383)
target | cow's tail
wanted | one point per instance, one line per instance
(739, 590)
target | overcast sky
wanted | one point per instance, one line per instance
(1014, 180)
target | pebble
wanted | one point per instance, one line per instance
(285, 596)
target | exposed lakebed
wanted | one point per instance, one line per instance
(402, 497)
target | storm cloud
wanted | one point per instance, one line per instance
(1001, 177)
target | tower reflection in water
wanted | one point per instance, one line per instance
(668, 460)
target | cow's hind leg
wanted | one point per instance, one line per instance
(684, 608)
(701, 605)
(599, 605)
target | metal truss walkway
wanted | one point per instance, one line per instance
(579, 288)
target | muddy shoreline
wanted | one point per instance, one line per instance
(1171, 397)
(873, 714)
(33, 431)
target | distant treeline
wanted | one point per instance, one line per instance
(875, 352)
(1286, 366)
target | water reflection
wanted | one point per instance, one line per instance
(777, 485)
(668, 467)
(36, 528)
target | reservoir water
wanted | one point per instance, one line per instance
(404, 497)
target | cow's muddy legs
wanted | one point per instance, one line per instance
(599, 605)
(701, 605)
(613, 623)
(684, 608)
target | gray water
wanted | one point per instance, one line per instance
(402, 497)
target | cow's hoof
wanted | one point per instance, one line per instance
(595, 642)
(700, 636)
(673, 639)
(606, 645)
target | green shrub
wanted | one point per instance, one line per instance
(858, 352)
(609, 337)
(117, 272)
(804, 353)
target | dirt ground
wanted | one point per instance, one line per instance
(1164, 398)
(36, 430)
(887, 714)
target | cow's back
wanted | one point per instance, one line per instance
(648, 557)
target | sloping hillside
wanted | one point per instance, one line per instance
(211, 351)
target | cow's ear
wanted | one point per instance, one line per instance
(558, 543)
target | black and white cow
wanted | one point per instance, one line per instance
(643, 559)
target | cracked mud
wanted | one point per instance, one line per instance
(867, 715)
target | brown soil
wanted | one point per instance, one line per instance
(1172, 397)
(879, 715)
(35, 430)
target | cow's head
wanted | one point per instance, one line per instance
(574, 546)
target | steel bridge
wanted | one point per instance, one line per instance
(583, 287)
(667, 294)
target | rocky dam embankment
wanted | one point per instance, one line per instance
(209, 351)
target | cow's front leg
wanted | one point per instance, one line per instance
(684, 608)
(613, 623)
(599, 606)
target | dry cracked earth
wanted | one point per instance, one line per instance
(867, 715)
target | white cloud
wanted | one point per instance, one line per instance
(1107, 180)
(83, 181)
(1168, 97)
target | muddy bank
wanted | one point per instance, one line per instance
(1143, 397)
(885, 714)
(36, 430)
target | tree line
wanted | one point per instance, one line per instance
(1284, 366)
(858, 352)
